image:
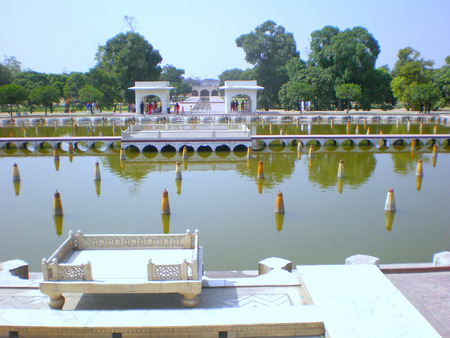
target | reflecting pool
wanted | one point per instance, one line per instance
(326, 219)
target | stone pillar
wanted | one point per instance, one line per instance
(362, 259)
(441, 258)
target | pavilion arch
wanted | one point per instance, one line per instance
(248, 88)
(157, 88)
(215, 92)
(204, 92)
(242, 98)
(194, 93)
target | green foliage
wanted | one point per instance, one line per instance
(182, 88)
(74, 83)
(129, 58)
(292, 93)
(172, 74)
(441, 80)
(12, 94)
(411, 70)
(107, 84)
(269, 48)
(6, 76)
(322, 83)
(46, 96)
(348, 92)
(236, 75)
(422, 95)
(350, 57)
(90, 94)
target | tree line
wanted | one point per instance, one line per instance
(124, 59)
(339, 72)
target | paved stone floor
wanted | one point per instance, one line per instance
(428, 292)
(430, 295)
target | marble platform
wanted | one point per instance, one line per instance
(360, 301)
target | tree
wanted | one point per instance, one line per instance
(14, 65)
(441, 80)
(107, 84)
(322, 83)
(90, 94)
(182, 88)
(46, 96)
(236, 74)
(6, 76)
(129, 58)
(269, 48)
(293, 93)
(348, 92)
(172, 74)
(12, 94)
(381, 91)
(409, 70)
(422, 95)
(349, 55)
(74, 83)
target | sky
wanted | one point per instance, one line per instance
(63, 36)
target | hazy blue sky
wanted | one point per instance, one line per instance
(55, 36)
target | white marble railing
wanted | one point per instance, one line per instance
(55, 268)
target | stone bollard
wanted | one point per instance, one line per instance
(249, 152)
(340, 173)
(441, 258)
(15, 173)
(97, 176)
(185, 153)
(311, 152)
(299, 146)
(57, 206)
(260, 173)
(178, 171)
(390, 201)
(165, 207)
(362, 260)
(279, 203)
(419, 171)
(272, 263)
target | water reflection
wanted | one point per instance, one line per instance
(16, 185)
(58, 221)
(389, 219)
(165, 219)
(358, 166)
(97, 185)
(279, 219)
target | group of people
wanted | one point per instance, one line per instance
(236, 106)
(91, 107)
(155, 107)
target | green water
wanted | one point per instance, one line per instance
(325, 222)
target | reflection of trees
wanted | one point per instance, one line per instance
(276, 167)
(128, 171)
(404, 162)
(358, 167)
